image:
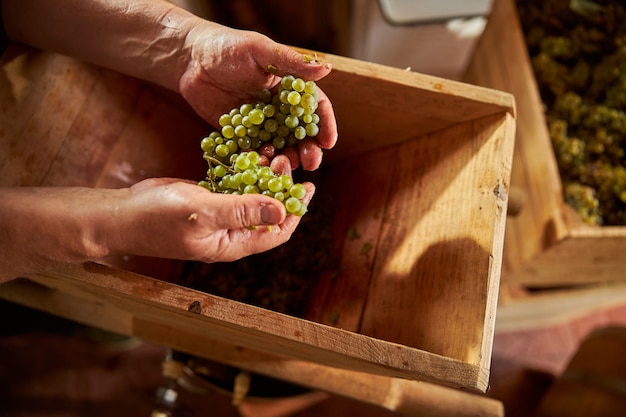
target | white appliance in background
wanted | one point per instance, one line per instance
(434, 37)
(416, 11)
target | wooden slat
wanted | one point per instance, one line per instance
(412, 398)
(406, 103)
(551, 308)
(501, 61)
(419, 281)
(138, 299)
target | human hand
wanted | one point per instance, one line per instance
(229, 67)
(170, 218)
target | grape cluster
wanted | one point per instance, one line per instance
(239, 153)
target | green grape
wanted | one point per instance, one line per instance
(246, 122)
(244, 142)
(262, 183)
(279, 195)
(241, 131)
(312, 129)
(280, 118)
(222, 150)
(291, 121)
(219, 171)
(236, 180)
(249, 176)
(310, 87)
(300, 132)
(293, 98)
(308, 102)
(275, 184)
(251, 189)
(270, 125)
(256, 143)
(254, 131)
(228, 131)
(285, 108)
(245, 109)
(265, 135)
(296, 111)
(284, 96)
(269, 110)
(253, 156)
(298, 84)
(256, 116)
(265, 172)
(298, 191)
(264, 96)
(224, 120)
(292, 205)
(237, 119)
(287, 82)
(232, 146)
(291, 140)
(278, 142)
(207, 144)
(287, 181)
(242, 162)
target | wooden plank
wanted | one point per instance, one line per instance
(412, 398)
(419, 281)
(575, 260)
(408, 104)
(34, 88)
(363, 188)
(501, 61)
(139, 299)
(548, 308)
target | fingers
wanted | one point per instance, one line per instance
(281, 164)
(284, 60)
(243, 211)
(310, 154)
(327, 136)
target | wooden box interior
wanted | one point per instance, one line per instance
(421, 171)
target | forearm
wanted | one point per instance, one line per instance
(142, 38)
(41, 228)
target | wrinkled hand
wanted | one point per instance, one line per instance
(229, 67)
(173, 219)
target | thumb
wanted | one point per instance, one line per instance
(287, 60)
(239, 211)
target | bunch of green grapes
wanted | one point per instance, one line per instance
(246, 176)
(239, 153)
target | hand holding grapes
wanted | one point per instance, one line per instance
(228, 67)
(169, 218)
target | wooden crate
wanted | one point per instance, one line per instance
(546, 243)
(426, 163)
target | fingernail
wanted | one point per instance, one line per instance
(270, 214)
